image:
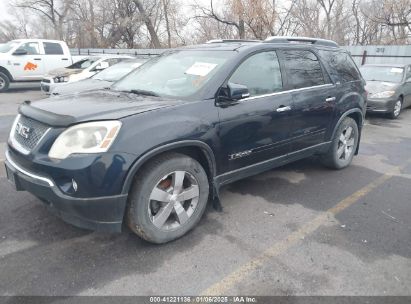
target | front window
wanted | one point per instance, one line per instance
(7, 47)
(83, 64)
(176, 74)
(260, 73)
(382, 73)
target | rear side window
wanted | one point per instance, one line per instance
(342, 66)
(260, 73)
(408, 72)
(51, 48)
(303, 69)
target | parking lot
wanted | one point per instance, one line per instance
(297, 230)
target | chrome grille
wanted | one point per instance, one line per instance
(36, 130)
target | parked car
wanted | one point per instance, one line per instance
(100, 80)
(389, 87)
(30, 59)
(80, 70)
(157, 146)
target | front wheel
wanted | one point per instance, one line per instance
(343, 145)
(397, 109)
(4, 82)
(168, 198)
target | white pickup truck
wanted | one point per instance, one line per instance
(31, 59)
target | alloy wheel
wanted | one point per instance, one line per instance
(2, 83)
(397, 108)
(173, 200)
(346, 143)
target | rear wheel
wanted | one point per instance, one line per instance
(168, 198)
(4, 82)
(397, 109)
(343, 146)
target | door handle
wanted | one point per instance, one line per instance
(329, 99)
(64, 58)
(37, 58)
(283, 109)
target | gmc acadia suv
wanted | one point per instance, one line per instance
(155, 147)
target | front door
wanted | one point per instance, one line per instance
(314, 98)
(29, 66)
(256, 128)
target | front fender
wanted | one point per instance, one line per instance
(169, 147)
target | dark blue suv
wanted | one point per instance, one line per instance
(152, 149)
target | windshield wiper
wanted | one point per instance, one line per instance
(144, 92)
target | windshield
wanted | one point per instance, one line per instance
(83, 64)
(4, 48)
(382, 73)
(176, 74)
(117, 71)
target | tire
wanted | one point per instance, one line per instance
(396, 111)
(163, 221)
(4, 82)
(343, 145)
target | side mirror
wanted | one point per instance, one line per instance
(233, 92)
(101, 66)
(20, 52)
(408, 80)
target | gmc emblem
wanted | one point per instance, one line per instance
(23, 130)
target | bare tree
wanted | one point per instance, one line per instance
(146, 18)
(55, 11)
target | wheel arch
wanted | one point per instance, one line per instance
(358, 116)
(198, 150)
(6, 72)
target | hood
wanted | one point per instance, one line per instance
(380, 86)
(62, 111)
(64, 72)
(80, 86)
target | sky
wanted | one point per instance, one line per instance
(4, 7)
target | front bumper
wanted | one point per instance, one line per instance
(100, 213)
(385, 105)
(48, 85)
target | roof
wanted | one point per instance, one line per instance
(282, 41)
(38, 40)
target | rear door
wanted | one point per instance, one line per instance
(55, 56)
(314, 98)
(30, 66)
(256, 128)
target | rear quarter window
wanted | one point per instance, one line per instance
(343, 68)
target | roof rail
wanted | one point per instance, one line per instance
(316, 41)
(231, 40)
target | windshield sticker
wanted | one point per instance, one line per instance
(396, 70)
(201, 68)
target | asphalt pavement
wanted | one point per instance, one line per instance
(300, 229)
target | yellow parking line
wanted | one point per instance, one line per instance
(241, 273)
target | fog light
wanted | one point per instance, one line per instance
(74, 183)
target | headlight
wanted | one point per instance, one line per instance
(61, 79)
(90, 137)
(384, 94)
